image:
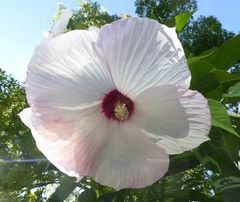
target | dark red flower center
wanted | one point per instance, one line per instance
(117, 106)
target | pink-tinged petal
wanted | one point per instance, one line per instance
(177, 119)
(129, 159)
(76, 154)
(141, 53)
(117, 155)
(65, 77)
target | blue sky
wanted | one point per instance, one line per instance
(22, 23)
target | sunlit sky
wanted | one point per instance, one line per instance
(22, 23)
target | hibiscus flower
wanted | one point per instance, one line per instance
(113, 103)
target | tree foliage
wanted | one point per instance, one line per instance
(203, 34)
(198, 35)
(163, 10)
(207, 173)
(90, 14)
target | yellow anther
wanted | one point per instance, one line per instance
(121, 111)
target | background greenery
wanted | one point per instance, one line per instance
(208, 173)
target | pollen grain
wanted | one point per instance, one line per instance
(121, 111)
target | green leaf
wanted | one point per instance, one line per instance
(87, 196)
(227, 55)
(65, 188)
(227, 183)
(181, 162)
(179, 21)
(182, 19)
(212, 80)
(207, 83)
(230, 144)
(228, 187)
(191, 195)
(204, 55)
(204, 157)
(215, 94)
(225, 77)
(233, 91)
(220, 117)
(108, 197)
(199, 69)
(219, 155)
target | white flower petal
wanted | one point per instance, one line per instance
(177, 119)
(129, 160)
(159, 111)
(61, 24)
(75, 154)
(141, 53)
(94, 29)
(65, 76)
